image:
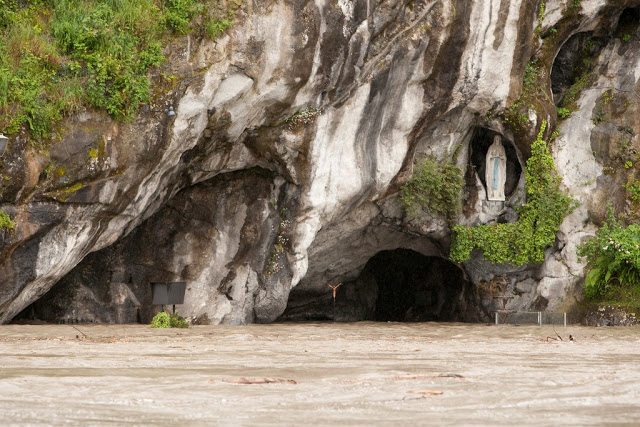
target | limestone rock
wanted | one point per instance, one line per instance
(281, 171)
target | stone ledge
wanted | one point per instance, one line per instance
(608, 315)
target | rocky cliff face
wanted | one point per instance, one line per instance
(280, 172)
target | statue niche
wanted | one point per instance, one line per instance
(496, 170)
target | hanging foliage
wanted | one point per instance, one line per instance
(526, 240)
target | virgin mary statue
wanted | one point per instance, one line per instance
(496, 170)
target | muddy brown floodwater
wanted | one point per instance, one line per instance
(319, 373)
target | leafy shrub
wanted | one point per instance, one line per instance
(178, 322)
(541, 11)
(526, 240)
(6, 222)
(179, 13)
(216, 27)
(30, 93)
(161, 320)
(633, 192)
(114, 43)
(531, 74)
(166, 320)
(613, 257)
(563, 113)
(434, 186)
(58, 56)
(517, 114)
(570, 99)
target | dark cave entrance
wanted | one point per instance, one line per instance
(572, 63)
(398, 285)
(628, 23)
(411, 287)
(480, 143)
(576, 58)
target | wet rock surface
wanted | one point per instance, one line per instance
(608, 315)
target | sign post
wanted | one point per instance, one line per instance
(168, 293)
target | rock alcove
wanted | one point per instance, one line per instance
(575, 61)
(628, 23)
(398, 285)
(480, 143)
(572, 62)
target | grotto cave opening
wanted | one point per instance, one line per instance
(482, 139)
(628, 24)
(572, 66)
(398, 285)
(574, 62)
(411, 287)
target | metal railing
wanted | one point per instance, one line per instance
(510, 317)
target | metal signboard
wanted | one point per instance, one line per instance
(168, 293)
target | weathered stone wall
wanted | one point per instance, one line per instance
(252, 203)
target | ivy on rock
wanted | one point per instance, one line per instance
(434, 187)
(526, 240)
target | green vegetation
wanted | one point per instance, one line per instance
(563, 113)
(626, 37)
(63, 193)
(543, 6)
(605, 99)
(113, 44)
(613, 257)
(5, 222)
(178, 14)
(569, 101)
(526, 240)
(93, 153)
(214, 27)
(46, 171)
(73, 188)
(435, 187)
(576, 4)
(161, 320)
(515, 115)
(60, 56)
(166, 320)
(633, 192)
(531, 73)
(582, 74)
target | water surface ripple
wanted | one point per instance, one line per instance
(322, 373)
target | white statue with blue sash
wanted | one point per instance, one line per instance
(496, 170)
